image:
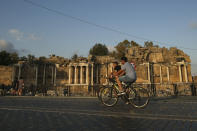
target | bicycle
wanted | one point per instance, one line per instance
(135, 95)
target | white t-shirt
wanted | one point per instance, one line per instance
(129, 70)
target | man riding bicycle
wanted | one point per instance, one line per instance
(127, 74)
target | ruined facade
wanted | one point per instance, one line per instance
(163, 71)
(165, 65)
(165, 68)
(7, 75)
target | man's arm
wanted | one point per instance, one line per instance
(119, 73)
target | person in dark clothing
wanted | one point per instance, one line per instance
(4, 89)
(20, 86)
(15, 86)
(116, 68)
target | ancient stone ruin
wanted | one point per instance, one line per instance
(163, 71)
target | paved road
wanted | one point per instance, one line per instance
(88, 114)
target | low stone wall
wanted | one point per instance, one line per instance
(76, 90)
(163, 90)
(158, 90)
(80, 91)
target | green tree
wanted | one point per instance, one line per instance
(133, 44)
(74, 57)
(99, 50)
(112, 54)
(8, 58)
(42, 60)
(31, 58)
(23, 58)
(14, 58)
(148, 44)
(121, 48)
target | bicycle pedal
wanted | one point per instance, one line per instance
(130, 98)
(127, 103)
(121, 94)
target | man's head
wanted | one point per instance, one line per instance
(124, 59)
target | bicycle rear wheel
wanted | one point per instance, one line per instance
(109, 96)
(140, 98)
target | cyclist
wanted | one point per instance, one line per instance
(127, 74)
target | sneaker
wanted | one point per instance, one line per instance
(121, 93)
(127, 103)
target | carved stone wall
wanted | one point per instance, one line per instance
(6, 76)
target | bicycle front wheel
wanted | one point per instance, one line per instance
(109, 96)
(141, 97)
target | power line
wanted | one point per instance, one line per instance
(99, 26)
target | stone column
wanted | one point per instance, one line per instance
(69, 74)
(55, 73)
(106, 72)
(180, 74)
(44, 74)
(87, 74)
(168, 74)
(186, 78)
(36, 81)
(149, 72)
(52, 75)
(13, 73)
(92, 75)
(161, 80)
(97, 74)
(75, 74)
(19, 71)
(111, 67)
(81, 74)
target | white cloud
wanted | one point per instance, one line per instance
(7, 46)
(18, 35)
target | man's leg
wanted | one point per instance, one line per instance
(118, 80)
(119, 83)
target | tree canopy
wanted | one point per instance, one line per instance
(8, 58)
(148, 44)
(99, 50)
(121, 48)
(74, 57)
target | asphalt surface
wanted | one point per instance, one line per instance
(88, 114)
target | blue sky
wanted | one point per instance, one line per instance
(29, 29)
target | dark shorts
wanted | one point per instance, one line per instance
(127, 79)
